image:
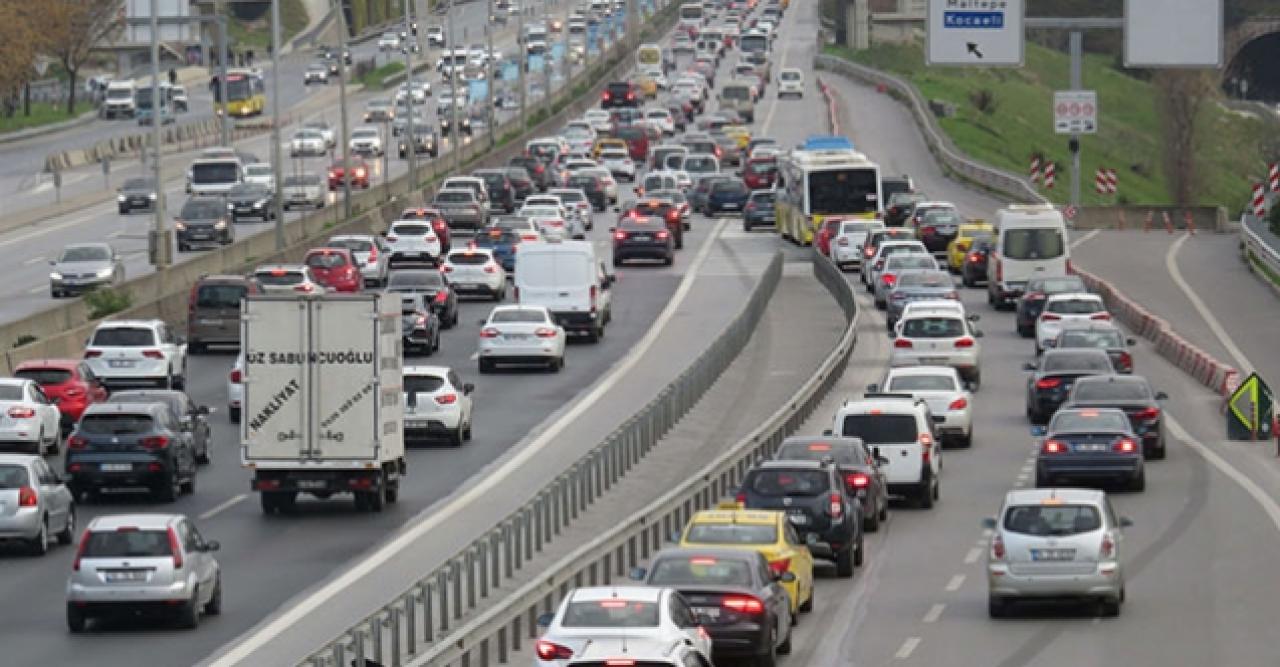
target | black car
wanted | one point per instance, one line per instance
(1036, 293)
(974, 268)
(130, 445)
(420, 325)
(535, 168)
(192, 418)
(620, 94)
(727, 196)
(1051, 380)
(592, 187)
(863, 477)
(1098, 336)
(664, 210)
(502, 194)
(737, 598)
(432, 284)
(425, 142)
(251, 200)
(642, 237)
(1131, 393)
(1087, 444)
(137, 194)
(521, 182)
(817, 503)
(899, 207)
(938, 228)
(203, 221)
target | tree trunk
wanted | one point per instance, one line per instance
(71, 91)
(26, 99)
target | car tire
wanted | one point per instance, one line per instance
(859, 551)
(965, 441)
(455, 438)
(77, 620)
(668, 260)
(189, 615)
(485, 366)
(68, 533)
(168, 492)
(214, 606)
(997, 607)
(871, 522)
(844, 563)
(39, 545)
(925, 495)
(807, 606)
(1158, 453)
(1109, 608)
(189, 486)
(1139, 483)
(770, 657)
(785, 647)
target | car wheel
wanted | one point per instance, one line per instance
(859, 552)
(871, 521)
(189, 486)
(168, 492)
(1157, 453)
(52, 447)
(39, 545)
(844, 563)
(76, 619)
(214, 606)
(68, 532)
(807, 605)
(189, 616)
(785, 647)
(997, 607)
(770, 657)
(926, 494)
(1109, 608)
(180, 381)
(884, 511)
(486, 366)
(668, 260)
(1139, 483)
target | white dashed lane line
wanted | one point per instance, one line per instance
(958, 580)
(908, 647)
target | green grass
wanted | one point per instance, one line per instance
(41, 114)
(1261, 267)
(1129, 136)
(257, 34)
(373, 80)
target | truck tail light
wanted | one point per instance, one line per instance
(236, 376)
(592, 295)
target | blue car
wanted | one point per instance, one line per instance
(1090, 445)
(503, 244)
(759, 211)
(727, 197)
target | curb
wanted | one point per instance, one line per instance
(19, 135)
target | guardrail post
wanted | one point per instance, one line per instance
(606, 568)
(375, 636)
(495, 572)
(359, 649)
(528, 534)
(456, 570)
(411, 621)
(575, 489)
(339, 653)
(469, 561)
(395, 635)
(484, 652)
(502, 645)
(515, 633)
(443, 580)
(537, 527)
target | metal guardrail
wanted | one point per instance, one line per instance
(1253, 232)
(422, 616)
(1010, 185)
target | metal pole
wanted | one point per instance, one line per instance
(1077, 61)
(276, 103)
(342, 106)
(222, 74)
(546, 59)
(488, 31)
(564, 39)
(408, 97)
(159, 239)
(522, 60)
(455, 128)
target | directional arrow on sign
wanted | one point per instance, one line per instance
(973, 48)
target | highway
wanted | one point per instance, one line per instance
(27, 250)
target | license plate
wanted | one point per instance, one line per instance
(729, 205)
(415, 423)
(798, 519)
(119, 577)
(311, 484)
(709, 612)
(1091, 447)
(1052, 554)
(120, 363)
(770, 218)
(516, 336)
(933, 360)
(117, 467)
(211, 322)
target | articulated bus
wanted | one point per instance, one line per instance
(246, 93)
(824, 177)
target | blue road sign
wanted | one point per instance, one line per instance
(477, 90)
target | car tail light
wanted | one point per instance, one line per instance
(176, 548)
(84, 543)
(1148, 414)
(835, 506)
(76, 442)
(447, 399)
(902, 343)
(153, 354)
(780, 566)
(489, 332)
(928, 231)
(1126, 361)
(441, 297)
(997, 548)
(975, 257)
(545, 332)
(373, 256)
(662, 234)
(1125, 446)
(1048, 383)
(154, 442)
(999, 270)
(18, 412)
(879, 265)
(304, 287)
(447, 268)
(620, 235)
(743, 604)
(1100, 316)
(1108, 547)
(592, 295)
(959, 404)
(27, 497)
(1053, 447)
(740, 497)
(551, 651)
(1033, 296)
(620, 662)
(1049, 317)
(965, 342)
(888, 279)
(490, 268)
(857, 480)
(92, 354)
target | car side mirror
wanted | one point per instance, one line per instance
(1125, 522)
(1130, 341)
(989, 522)
(1039, 431)
(786, 577)
(468, 388)
(637, 574)
(544, 620)
(212, 545)
(1160, 396)
(1028, 366)
(613, 229)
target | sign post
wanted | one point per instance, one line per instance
(982, 34)
(1250, 410)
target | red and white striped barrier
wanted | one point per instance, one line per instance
(1113, 181)
(1273, 176)
(1190, 222)
(1259, 200)
(1035, 168)
(1050, 173)
(833, 119)
(1105, 181)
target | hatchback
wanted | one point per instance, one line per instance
(938, 337)
(35, 504)
(1066, 309)
(476, 271)
(760, 210)
(370, 252)
(413, 239)
(68, 383)
(437, 405)
(862, 474)
(335, 269)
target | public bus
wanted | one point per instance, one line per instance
(691, 15)
(246, 93)
(824, 177)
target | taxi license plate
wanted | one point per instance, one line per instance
(1052, 554)
(311, 484)
(120, 577)
(117, 467)
(120, 363)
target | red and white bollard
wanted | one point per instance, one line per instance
(1191, 223)
(1259, 200)
(1035, 168)
(1273, 176)
(1112, 181)
(1050, 173)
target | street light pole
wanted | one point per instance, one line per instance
(455, 128)
(342, 107)
(225, 125)
(491, 84)
(277, 205)
(159, 238)
(522, 49)
(410, 140)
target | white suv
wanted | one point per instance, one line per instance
(872, 267)
(437, 405)
(790, 82)
(132, 353)
(899, 430)
(1062, 310)
(413, 239)
(939, 337)
(941, 387)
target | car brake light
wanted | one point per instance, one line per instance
(545, 333)
(1125, 446)
(27, 497)
(1108, 547)
(153, 354)
(997, 548)
(1148, 414)
(835, 506)
(91, 354)
(1048, 383)
(959, 404)
(965, 342)
(1100, 316)
(743, 604)
(1053, 447)
(489, 332)
(154, 442)
(490, 268)
(447, 268)
(18, 412)
(76, 442)
(879, 265)
(619, 662)
(975, 257)
(176, 548)
(1049, 317)
(888, 279)
(857, 480)
(620, 235)
(1126, 361)
(551, 651)
(304, 287)
(928, 231)
(84, 542)
(592, 295)
(740, 497)
(902, 343)
(447, 399)
(441, 297)
(662, 234)
(779, 566)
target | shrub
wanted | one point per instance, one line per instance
(106, 301)
(984, 100)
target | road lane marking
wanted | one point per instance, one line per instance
(223, 507)
(973, 556)
(1084, 238)
(934, 613)
(37, 289)
(1171, 264)
(245, 645)
(958, 580)
(1264, 500)
(33, 260)
(908, 647)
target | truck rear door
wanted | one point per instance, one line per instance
(344, 338)
(274, 425)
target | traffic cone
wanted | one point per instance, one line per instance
(1168, 222)
(1191, 224)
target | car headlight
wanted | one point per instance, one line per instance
(152, 196)
(230, 206)
(221, 224)
(55, 276)
(121, 198)
(180, 226)
(260, 203)
(106, 272)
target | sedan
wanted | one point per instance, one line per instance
(642, 237)
(645, 615)
(1089, 444)
(38, 504)
(137, 194)
(521, 335)
(82, 267)
(1132, 394)
(307, 190)
(1031, 303)
(308, 143)
(1051, 380)
(728, 196)
(1098, 336)
(917, 285)
(250, 200)
(942, 388)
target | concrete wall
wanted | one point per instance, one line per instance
(1203, 218)
(895, 28)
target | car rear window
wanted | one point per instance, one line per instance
(1097, 339)
(816, 451)
(610, 613)
(880, 429)
(1052, 520)
(128, 544)
(1057, 285)
(933, 327)
(1110, 391)
(125, 337)
(422, 384)
(219, 296)
(115, 424)
(276, 277)
(44, 376)
(13, 477)
(777, 483)
(906, 260)
(410, 230)
(762, 197)
(468, 258)
(1078, 362)
(700, 571)
(519, 315)
(322, 260)
(1066, 421)
(414, 279)
(1032, 244)
(926, 279)
(1074, 306)
(762, 167)
(354, 245)
(732, 533)
(909, 383)
(454, 197)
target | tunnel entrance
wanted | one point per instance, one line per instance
(1254, 72)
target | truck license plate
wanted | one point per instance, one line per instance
(117, 467)
(311, 484)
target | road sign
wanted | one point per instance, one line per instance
(978, 33)
(1173, 33)
(1249, 410)
(1075, 112)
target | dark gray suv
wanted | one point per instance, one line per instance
(203, 221)
(130, 445)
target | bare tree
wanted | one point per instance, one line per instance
(73, 28)
(1181, 96)
(18, 48)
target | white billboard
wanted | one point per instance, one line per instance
(1173, 33)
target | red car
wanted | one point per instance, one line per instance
(335, 268)
(760, 172)
(438, 223)
(637, 139)
(67, 382)
(359, 175)
(829, 230)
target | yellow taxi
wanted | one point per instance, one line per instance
(766, 531)
(648, 86)
(605, 143)
(740, 134)
(965, 235)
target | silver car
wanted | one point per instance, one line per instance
(287, 278)
(1055, 544)
(886, 276)
(34, 503)
(370, 251)
(307, 190)
(138, 563)
(916, 285)
(85, 266)
(308, 143)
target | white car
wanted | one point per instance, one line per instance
(389, 41)
(846, 249)
(521, 335)
(436, 404)
(575, 201)
(476, 271)
(544, 212)
(367, 140)
(235, 389)
(31, 422)
(886, 277)
(599, 119)
(260, 174)
(553, 226)
(661, 119)
(871, 267)
(287, 279)
(307, 143)
(416, 91)
(413, 239)
(938, 337)
(942, 389)
(790, 82)
(645, 614)
(899, 431)
(619, 164)
(325, 129)
(1061, 310)
(132, 353)
(581, 137)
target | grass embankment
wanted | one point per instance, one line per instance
(1020, 123)
(256, 34)
(373, 80)
(42, 114)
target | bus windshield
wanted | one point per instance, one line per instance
(691, 12)
(847, 191)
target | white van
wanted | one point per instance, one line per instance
(570, 280)
(214, 175)
(1031, 242)
(741, 97)
(900, 431)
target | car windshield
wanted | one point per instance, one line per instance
(354, 245)
(1091, 338)
(1033, 244)
(1110, 391)
(776, 483)
(700, 571)
(732, 533)
(941, 217)
(219, 296)
(1052, 520)
(730, 187)
(123, 337)
(735, 93)
(1076, 361)
(86, 253)
(843, 454)
(400, 229)
(1074, 306)
(115, 424)
(401, 280)
(610, 613)
(859, 227)
(762, 198)
(933, 327)
(127, 543)
(202, 209)
(454, 197)
(468, 258)
(326, 260)
(909, 383)
(1057, 285)
(1067, 421)
(880, 429)
(526, 315)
